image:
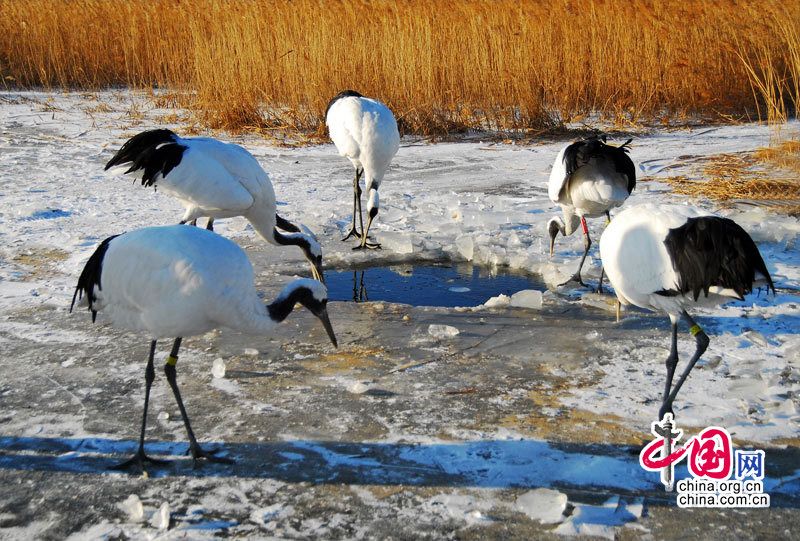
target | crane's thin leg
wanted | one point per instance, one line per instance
(602, 269)
(210, 224)
(600, 284)
(587, 243)
(193, 222)
(702, 340)
(194, 447)
(672, 362)
(364, 244)
(140, 457)
(356, 205)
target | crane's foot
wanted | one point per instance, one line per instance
(575, 278)
(139, 459)
(352, 233)
(368, 245)
(199, 454)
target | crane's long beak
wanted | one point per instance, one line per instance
(326, 322)
(316, 271)
(552, 230)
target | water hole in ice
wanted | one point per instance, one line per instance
(427, 284)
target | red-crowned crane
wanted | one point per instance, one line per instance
(176, 281)
(215, 180)
(588, 179)
(672, 258)
(365, 132)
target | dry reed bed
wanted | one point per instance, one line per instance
(770, 175)
(441, 65)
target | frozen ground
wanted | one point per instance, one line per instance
(526, 423)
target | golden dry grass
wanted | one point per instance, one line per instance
(769, 175)
(441, 65)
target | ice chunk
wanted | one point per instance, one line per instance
(711, 362)
(443, 331)
(498, 302)
(133, 507)
(160, 519)
(400, 243)
(359, 387)
(251, 352)
(465, 247)
(458, 289)
(601, 520)
(218, 368)
(543, 504)
(163, 416)
(596, 300)
(527, 298)
(756, 338)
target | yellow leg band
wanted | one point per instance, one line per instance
(172, 360)
(695, 329)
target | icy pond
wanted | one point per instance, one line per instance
(525, 424)
(425, 284)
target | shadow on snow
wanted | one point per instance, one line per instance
(521, 463)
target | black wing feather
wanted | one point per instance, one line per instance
(154, 151)
(340, 95)
(90, 277)
(712, 251)
(579, 153)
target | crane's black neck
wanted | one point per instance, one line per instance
(281, 307)
(340, 95)
(293, 239)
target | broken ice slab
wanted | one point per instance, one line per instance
(465, 247)
(597, 300)
(498, 302)
(443, 331)
(601, 520)
(218, 368)
(160, 519)
(542, 504)
(756, 338)
(400, 243)
(132, 506)
(527, 298)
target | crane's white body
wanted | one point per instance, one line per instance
(591, 191)
(180, 280)
(365, 132)
(221, 180)
(638, 265)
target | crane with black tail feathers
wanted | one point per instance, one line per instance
(672, 258)
(364, 131)
(215, 180)
(588, 179)
(176, 281)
